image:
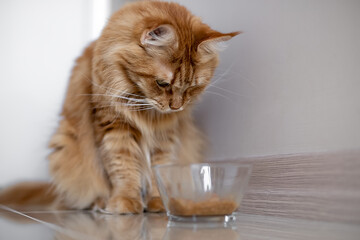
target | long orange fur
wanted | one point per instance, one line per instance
(128, 107)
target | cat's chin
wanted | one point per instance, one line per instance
(157, 107)
(169, 111)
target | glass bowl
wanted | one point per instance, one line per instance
(209, 192)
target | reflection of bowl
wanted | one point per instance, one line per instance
(199, 231)
(202, 191)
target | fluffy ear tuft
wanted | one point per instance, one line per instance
(215, 42)
(162, 35)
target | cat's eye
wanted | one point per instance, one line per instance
(162, 83)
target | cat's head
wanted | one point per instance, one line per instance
(159, 51)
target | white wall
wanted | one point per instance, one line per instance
(291, 80)
(39, 42)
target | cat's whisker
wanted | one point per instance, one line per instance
(240, 75)
(226, 90)
(135, 104)
(130, 107)
(146, 108)
(93, 83)
(114, 105)
(222, 76)
(141, 109)
(251, 83)
(117, 96)
(131, 99)
(122, 103)
(102, 106)
(132, 94)
(99, 86)
(224, 73)
(114, 91)
(220, 95)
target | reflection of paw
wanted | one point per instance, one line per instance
(123, 205)
(99, 204)
(155, 205)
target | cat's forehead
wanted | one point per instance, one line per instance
(164, 70)
(177, 67)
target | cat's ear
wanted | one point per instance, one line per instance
(215, 42)
(163, 35)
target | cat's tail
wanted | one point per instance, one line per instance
(31, 195)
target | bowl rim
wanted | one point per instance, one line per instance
(210, 163)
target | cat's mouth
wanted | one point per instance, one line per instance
(161, 108)
(173, 110)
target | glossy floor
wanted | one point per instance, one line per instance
(68, 225)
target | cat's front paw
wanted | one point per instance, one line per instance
(124, 205)
(155, 204)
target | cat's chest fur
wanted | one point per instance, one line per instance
(153, 132)
(159, 132)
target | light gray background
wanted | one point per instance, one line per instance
(289, 84)
(294, 77)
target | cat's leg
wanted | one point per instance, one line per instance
(193, 143)
(76, 171)
(155, 203)
(124, 164)
(165, 153)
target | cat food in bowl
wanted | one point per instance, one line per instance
(203, 191)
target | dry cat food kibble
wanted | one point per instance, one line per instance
(212, 207)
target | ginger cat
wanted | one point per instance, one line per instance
(128, 107)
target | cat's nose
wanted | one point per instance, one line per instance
(175, 104)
